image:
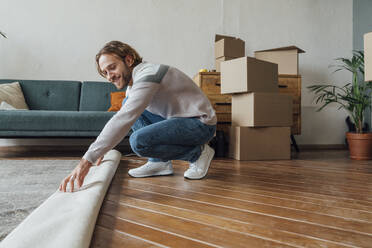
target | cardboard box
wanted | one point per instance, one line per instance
(368, 56)
(263, 143)
(285, 57)
(219, 60)
(227, 46)
(248, 74)
(258, 109)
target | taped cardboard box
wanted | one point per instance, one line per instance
(285, 57)
(262, 143)
(227, 46)
(368, 56)
(248, 74)
(219, 60)
(260, 109)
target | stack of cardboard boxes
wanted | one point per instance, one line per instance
(253, 110)
(227, 48)
(261, 117)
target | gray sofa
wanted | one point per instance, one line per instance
(58, 109)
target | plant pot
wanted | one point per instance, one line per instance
(360, 145)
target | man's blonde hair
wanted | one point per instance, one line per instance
(119, 49)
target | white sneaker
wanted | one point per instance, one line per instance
(199, 168)
(152, 169)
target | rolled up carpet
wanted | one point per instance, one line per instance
(67, 219)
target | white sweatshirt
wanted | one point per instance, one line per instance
(160, 89)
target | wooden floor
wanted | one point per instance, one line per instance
(319, 199)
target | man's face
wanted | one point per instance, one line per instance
(115, 70)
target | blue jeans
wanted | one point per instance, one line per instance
(162, 139)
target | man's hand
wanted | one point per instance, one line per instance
(78, 173)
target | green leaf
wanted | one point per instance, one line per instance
(3, 34)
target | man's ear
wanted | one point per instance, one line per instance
(129, 60)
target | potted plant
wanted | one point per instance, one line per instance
(355, 98)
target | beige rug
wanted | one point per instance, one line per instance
(24, 185)
(64, 219)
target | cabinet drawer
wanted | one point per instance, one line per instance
(220, 103)
(289, 78)
(222, 107)
(290, 84)
(210, 83)
(289, 91)
(219, 98)
(223, 117)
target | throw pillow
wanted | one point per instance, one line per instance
(13, 95)
(6, 106)
(116, 100)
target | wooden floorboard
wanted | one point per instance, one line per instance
(112, 218)
(103, 236)
(317, 199)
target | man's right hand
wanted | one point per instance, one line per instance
(78, 173)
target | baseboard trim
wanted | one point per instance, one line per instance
(322, 147)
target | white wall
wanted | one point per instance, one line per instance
(51, 39)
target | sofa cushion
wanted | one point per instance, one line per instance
(116, 101)
(12, 94)
(95, 96)
(50, 95)
(41, 120)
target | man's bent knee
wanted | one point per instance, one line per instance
(137, 143)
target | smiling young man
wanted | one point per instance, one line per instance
(170, 116)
